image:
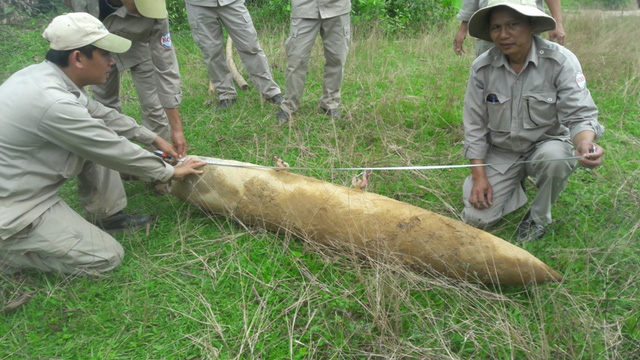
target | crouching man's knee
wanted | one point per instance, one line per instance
(481, 219)
(105, 256)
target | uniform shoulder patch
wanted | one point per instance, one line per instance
(165, 40)
(581, 80)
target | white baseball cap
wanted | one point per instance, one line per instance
(479, 21)
(155, 9)
(75, 30)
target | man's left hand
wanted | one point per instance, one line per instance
(179, 143)
(591, 154)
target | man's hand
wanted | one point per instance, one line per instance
(558, 34)
(177, 136)
(188, 166)
(585, 147)
(591, 152)
(166, 147)
(481, 193)
(179, 143)
(458, 41)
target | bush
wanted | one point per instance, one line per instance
(403, 15)
(393, 15)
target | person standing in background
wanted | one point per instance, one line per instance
(151, 60)
(332, 20)
(206, 18)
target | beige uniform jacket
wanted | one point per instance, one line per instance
(49, 129)
(151, 40)
(319, 9)
(508, 114)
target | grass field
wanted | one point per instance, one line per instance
(206, 287)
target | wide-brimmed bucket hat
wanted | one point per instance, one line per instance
(479, 21)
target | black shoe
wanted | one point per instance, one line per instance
(225, 103)
(528, 230)
(283, 116)
(332, 113)
(275, 99)
(120, 222)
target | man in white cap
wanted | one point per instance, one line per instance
(526, 106)
(206, 18)
(151, 60)
(51, 132)
(471, 6)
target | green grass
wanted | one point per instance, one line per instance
(206, 287)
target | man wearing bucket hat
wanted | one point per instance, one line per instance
(526, 107)
(151, 60)
(51, 132)
(471, 6)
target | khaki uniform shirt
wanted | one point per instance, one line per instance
(319, 9)
(49, 129)
(151, 40)
(509, 113)
(471, 6)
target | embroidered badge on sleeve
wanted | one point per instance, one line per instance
(165, 40)
(581, 80)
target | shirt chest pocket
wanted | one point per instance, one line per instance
(499, 111)
(540, 110)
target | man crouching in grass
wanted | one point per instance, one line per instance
(51, 132)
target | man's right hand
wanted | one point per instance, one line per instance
(458, 41)
(481, 193)
(189, 166)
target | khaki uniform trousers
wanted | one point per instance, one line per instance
(60, 240)
(206, 28)
(92, 7)
(335, 34)
(152, 115)
(550, 177)
(482, 46)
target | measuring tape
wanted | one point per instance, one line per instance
(382, 168)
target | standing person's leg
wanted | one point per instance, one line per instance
(89, 6)
(61, 241)
(237, 21)
(108, 94)
(336, 35)
(152, 116)
(103, 197)
(101, 191)
(482, 46)
(302, 36)
(551, 177)
(206, 30)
